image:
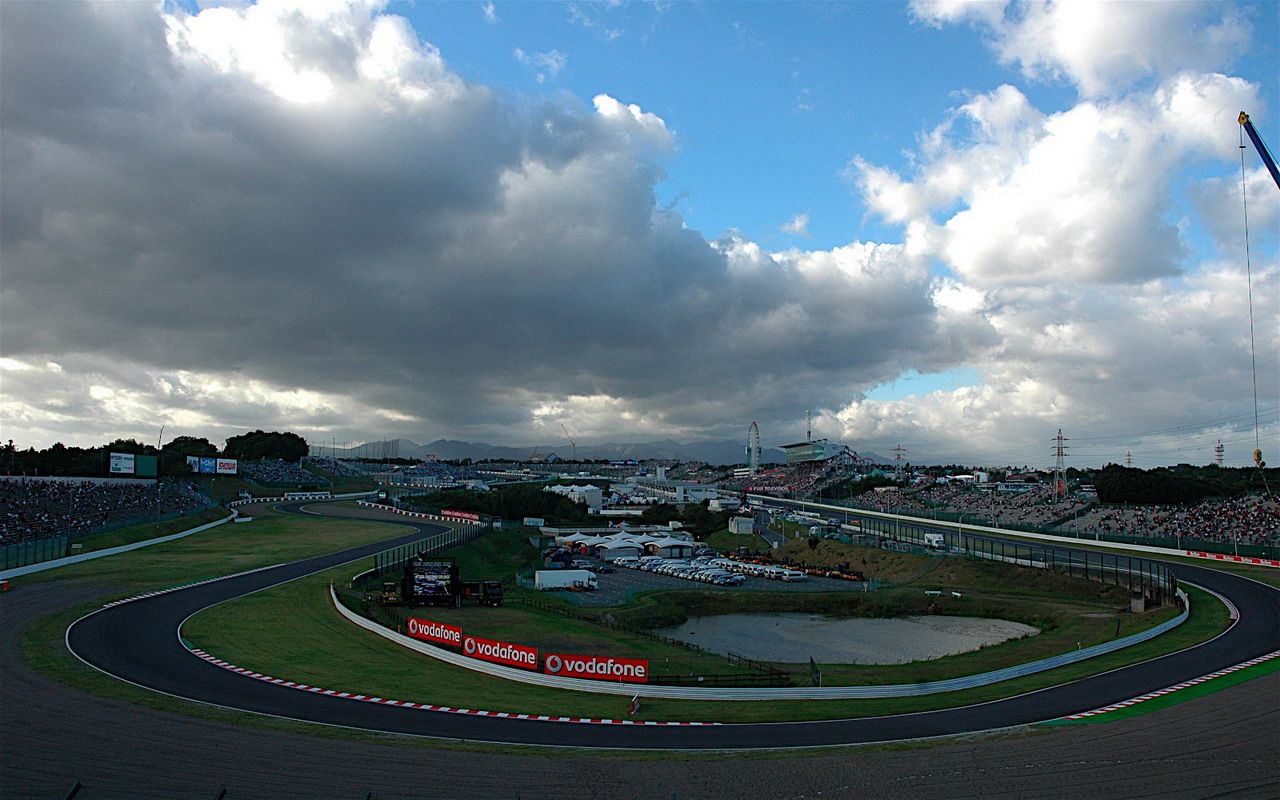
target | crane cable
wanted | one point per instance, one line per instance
(1253, 350)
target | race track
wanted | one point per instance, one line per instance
(138, 642)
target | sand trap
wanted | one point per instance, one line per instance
(795, 638)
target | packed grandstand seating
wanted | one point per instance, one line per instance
(31, 507)
(275, 471)
(337, 467)
(1248, 520)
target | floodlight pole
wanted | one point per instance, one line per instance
(159, 441)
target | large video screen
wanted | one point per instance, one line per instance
(432, 579)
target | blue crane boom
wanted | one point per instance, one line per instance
(1260, 147)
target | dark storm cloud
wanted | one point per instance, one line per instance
(410, 243)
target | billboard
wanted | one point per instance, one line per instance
(145, 466)
(598, 668)
(194, 463)
(448, 512)
(226, 466)
(208, 465)
(121, 463)
(436, 632)
(513, 655)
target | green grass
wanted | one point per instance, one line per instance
(148, 530)
(1180, 696)
(271, 538)
(727, 542)
(325, 650)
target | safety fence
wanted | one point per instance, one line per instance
(1153, 579)
(1064, 527)
(47, 548)
(34, 551)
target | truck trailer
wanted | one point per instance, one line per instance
(486, 593)
(545, 580)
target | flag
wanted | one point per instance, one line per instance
(634, 707)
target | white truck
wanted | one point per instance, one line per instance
(546, 580)
(934, 541)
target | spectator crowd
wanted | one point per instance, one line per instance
(1253, 520)
(276, 471)
(31, 508)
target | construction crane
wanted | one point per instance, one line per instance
(572, 443)
(1265, 155)
(1260, 146)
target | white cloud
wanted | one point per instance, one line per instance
(797, 225)
(1081, 195)
(1099, 46)
(490, 13)
(544, 65)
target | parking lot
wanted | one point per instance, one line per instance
(619, 587)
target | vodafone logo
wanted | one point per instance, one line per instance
(599, 668)
(435, 631)
(515, 655)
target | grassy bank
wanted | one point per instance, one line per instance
(323, 649)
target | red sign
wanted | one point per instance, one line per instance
(513, 655)
(460, 514)
(437, 632)
(598, 668)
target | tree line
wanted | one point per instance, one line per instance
(62, 460)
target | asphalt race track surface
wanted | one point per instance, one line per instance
(1224, 745)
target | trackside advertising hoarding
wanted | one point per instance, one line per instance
(121, 464)
(226, 466)
(436, 632)
(448, 512)
(513, 655)
(599, 668)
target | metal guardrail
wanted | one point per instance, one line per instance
(750, 693)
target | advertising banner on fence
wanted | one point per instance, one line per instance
(448, 512)
(226, 466)
(513, 655)
(208, 466)
(194, 463)
(599, 668)
(437, 632)
(121, 464)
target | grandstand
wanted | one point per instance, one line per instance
(31, 508)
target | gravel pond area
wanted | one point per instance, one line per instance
(795, 638)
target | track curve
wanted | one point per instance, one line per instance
(137, 641)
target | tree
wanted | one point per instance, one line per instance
(260, 444)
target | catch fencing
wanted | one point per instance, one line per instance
(1155, 580)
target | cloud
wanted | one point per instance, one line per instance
(1100, 47)
(299, 217)
(490, 13)
(1006, 195)
(209, 238)
(797, 225)
(545, 65)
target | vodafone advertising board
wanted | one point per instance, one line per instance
(437, 632)
(600, 668)
(513, 655)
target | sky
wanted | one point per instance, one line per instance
(949, 226)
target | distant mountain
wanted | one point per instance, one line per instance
(712, 452)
